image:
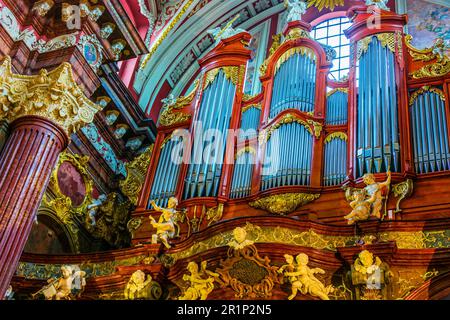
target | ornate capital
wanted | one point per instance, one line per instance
(53, 95)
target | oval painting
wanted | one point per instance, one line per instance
(90, 53)
(71, 183)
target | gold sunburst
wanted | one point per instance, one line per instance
(330, 4)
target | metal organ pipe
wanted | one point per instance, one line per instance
(202, 179)
(166, 175)
(429, 131)
(242, 176)
(377, 127)
(294, 82)
(295, 151)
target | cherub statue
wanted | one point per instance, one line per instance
(165, 227)
(375, 190)
(361, 207)
(225, 32)
(380, 4)
(93, 209)
(295, 9)
(169, 101)
(201, 285)
(303, 279)
(136, 287)
(239, 239)
(373, 194)
(369, 271)
(62, 288)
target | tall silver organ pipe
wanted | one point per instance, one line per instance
(242, 175)
(250, 122)
(290, 152)
(335, 160)
(429, 131)
(203, 175)
(294, 83)
(378, 147)
(167, 171)
(337, 108)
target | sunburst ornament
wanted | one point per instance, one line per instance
(329, 4)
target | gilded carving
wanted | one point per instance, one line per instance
(336, 135)
(297, 50)
(214, 214)
(168, 116)
(370, 276)
(317, 126)
(344, 90)
(140, 287)
(240, 240)
(437, 69)
(167, 226)
(254, 105)
(368, 201)
(302, 279)
(401, 191)
(232, 73)
(42, 7)
(133, 225)
(64, 287)
(329, 4)
(387, 40)
(201, 283)
(136, 171)
(53, 95)
(248, 274)
(286, 118)
(424, 89)
(285, 203)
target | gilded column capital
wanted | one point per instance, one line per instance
(53, 95)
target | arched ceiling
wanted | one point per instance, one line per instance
(175, 59)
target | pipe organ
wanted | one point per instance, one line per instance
(304, 133)
(216, 105)
(378, 147)
(429, 130)
(289, 147)
(167, 171)
(294, 83)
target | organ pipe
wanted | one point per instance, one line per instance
(429, 131)
(377, 124)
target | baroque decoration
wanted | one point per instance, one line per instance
(53, 95)
(136, 171)
(283, 204)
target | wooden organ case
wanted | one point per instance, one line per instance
(286, 154)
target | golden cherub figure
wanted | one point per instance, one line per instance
(369, 269)
(361, 207)
(239, 239)
(201, 283)
(373, 192)
(165, 227)
(62, 288)
(137, 285)
(303, 279)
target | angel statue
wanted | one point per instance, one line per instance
(225, 32)
(374, 193)
(169, 101)
(302, 278)
(295, 9)
(361, 207)
(239, 239)
(380, 4)
(165, 227)
(66, 287)
(201, 284)
(371, 273)
(93, 209)
(137, 285)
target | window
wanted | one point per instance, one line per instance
(331, 32)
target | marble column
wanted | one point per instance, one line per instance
(43, 111)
